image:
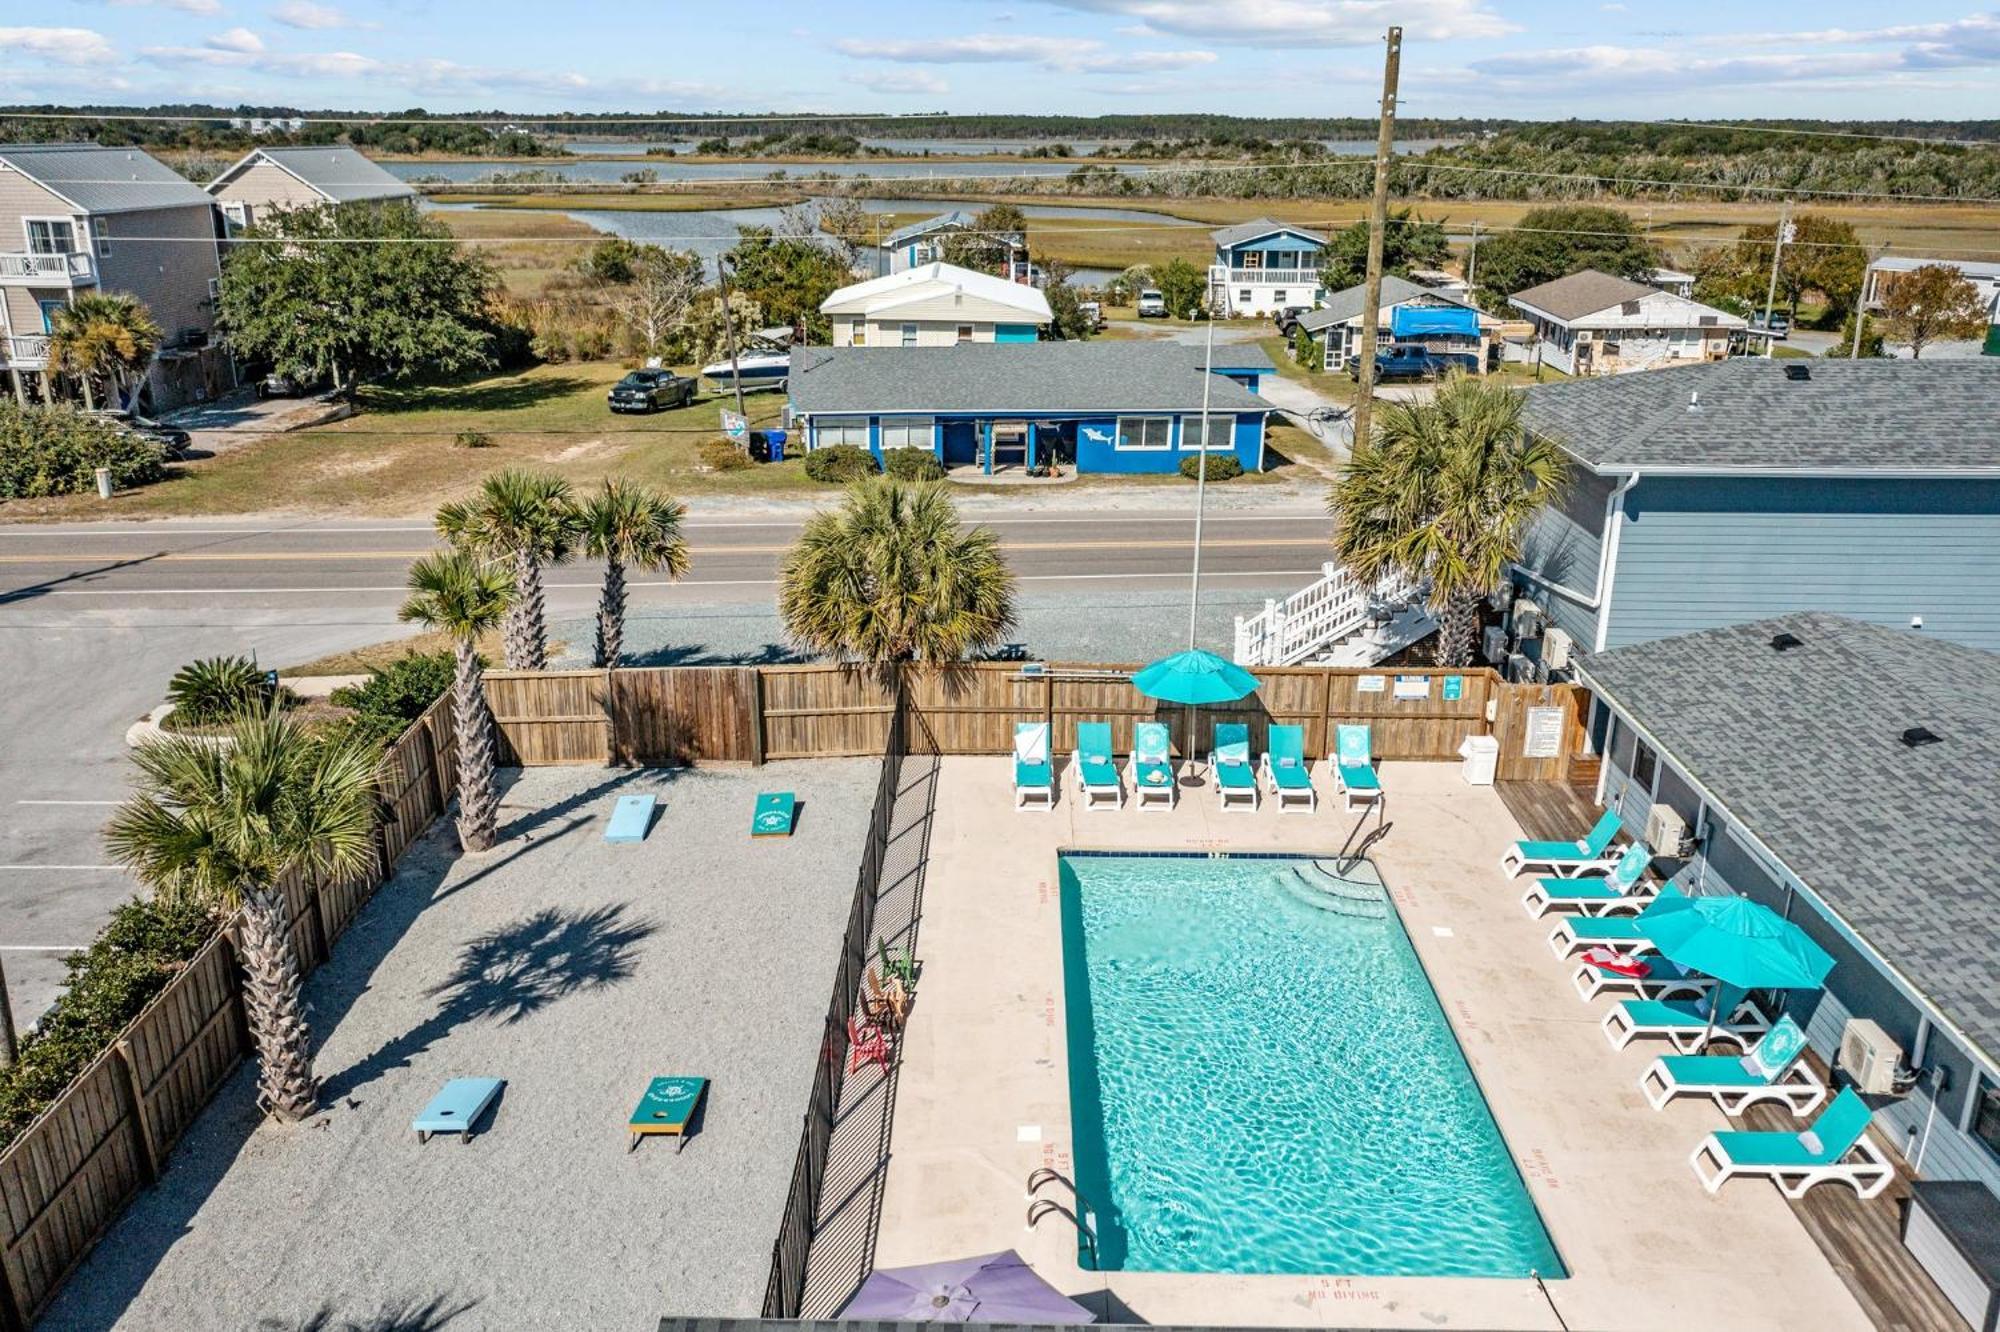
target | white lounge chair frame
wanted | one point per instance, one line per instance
(1150, 797)
(1538, 901)
(1800, 1089)
(1592, 982)
(1563, 941)
(1298, 800)
(1867, 1176)
(1746, 1025)
(1091, 795)
(1043, 797)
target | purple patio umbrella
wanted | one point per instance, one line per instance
(992, 1288)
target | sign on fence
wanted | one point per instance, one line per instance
(1542, 737)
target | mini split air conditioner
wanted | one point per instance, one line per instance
(1557, 647)
(1668, 833)
(1493, 645)
(1869, 1056)
(1527, 617)
(1520, 669)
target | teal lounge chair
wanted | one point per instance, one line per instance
(1775, 1069)
(1229, 760)
(1096, 771)
(1587, 853)
(1836, 1149)
(1682, 1021)
(1623, 889)
(1286, 771)
(1152, 766)
(1575, 933)
(1034, 772)
(1353, 765)
(457, 1107)
(1663, 980)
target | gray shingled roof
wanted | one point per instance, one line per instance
(104, 180)
(1024, 378)
(1263, 226)
(958, 217)
(1581, 294)
(1860, 416)
(1347, 304)
(1803, 749)
(341, 174)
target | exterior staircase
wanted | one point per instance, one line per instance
(1336, 621)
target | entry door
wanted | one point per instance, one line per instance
(961, 444)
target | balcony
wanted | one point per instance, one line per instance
(1265, 277)
(46, 270)
(27, 353)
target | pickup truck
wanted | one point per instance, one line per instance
(1410, 360)
(1152, 304)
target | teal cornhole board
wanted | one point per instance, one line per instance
(775, 811)
(456, 1108)
(667, 1107)
(630, 818)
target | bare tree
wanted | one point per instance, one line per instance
(655, 303)
(852, 228)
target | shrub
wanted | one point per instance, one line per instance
(473, 439)
(144, 946)
(403, 688)
(723, 455)
(57, 451)
(1221, 466)
(912, 465)
(838, 464)
(216, 688)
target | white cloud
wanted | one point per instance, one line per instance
(313, 17)
(207, 8)
(62, 46)
(901, 81)
(1289, 24)
(1063, 54)
(236, 39)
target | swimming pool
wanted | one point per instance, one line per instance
(1262, 1081)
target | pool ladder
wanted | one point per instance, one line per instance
(1039, 1207)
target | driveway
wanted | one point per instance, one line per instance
(243, 418)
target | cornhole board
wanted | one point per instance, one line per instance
(775, 812)
(667, 1107)
(457, 1107)
(630, 818)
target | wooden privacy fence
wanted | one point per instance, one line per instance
(64, 1181)
(668, 715)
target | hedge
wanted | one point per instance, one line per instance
(838, 464)
(1221, 466)
(912, 465)
(57, 451)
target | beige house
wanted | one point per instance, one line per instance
(1592, 323)
(935, 305)
(273, 180)
(76, 218)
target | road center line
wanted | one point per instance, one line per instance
(686, 583)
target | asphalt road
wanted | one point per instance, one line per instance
(95, 617)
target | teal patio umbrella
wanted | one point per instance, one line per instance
(1743, 945)
(1194, 677)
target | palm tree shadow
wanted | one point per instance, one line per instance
(509, 975)
(404, 1315)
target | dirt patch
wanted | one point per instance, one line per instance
(582, 449)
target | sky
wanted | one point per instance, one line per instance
(1530, 59)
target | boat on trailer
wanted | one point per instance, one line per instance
(764, 361)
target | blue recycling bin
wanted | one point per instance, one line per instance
(768, 445)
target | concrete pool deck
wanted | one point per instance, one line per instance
(983, 1094)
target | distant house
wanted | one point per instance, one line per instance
(935, 305)
(1714, 494)
(1410, 312)
(1091, 406)
(1983, 275)
(271, 180)
(1673, 281)
(87, 218)
(1263, 266)
(1592, 323)
(922, 243)
(1841, 774)
(1451, 284)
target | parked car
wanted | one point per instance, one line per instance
(1288, 318)
(1780, 326)
(1413, 360)
(172, 441)
(1093, 312)
(650, 391)
(1152, 304)
(277, 385)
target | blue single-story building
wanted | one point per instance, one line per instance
(1842, 774)
(1710, 495)
(1094, 406)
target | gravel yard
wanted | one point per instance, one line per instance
(576, 971)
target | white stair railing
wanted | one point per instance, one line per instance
(1286, 632)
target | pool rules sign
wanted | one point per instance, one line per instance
(1542, 737)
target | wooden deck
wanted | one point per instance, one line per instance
(1861, 1240)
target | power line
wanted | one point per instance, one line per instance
(1825, 134)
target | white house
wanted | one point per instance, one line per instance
(1263, 266)
(1410, 312)
(937, 305)
(1592, 323)
(1672, 280)
(1982, 274)
(922, 243)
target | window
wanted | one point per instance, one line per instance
(826, 434)
(47, 235)
(965, 332)
(860, 338)
(1145, 432)
(1645, 766)
(102, 228)
(909, 335)
(237, 215)
(1278, 296)
(1217, 432)
(1986, 1117)
(924, 254)
(906, 432)
(1243, 296)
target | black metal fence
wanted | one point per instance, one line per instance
(825, 1244)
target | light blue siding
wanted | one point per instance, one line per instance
(1698, 552)
(1016, 333)
(1564, 545)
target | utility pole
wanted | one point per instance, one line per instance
(1861, 305)
(1472, 261)
(1378, 225)
(729, 331)
(1778, 239)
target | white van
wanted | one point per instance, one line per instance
(1152, 305)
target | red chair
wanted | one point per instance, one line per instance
(866, 1044)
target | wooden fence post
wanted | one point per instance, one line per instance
(12, 1319)
(135, 1097)
(434, 765)
(756, 716)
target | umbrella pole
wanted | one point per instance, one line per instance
(1188, 775)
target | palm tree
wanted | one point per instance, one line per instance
(1444, 492)
(625, 524)
(530, 520)
(455, 594)
(223, 824)
(102, 335)
(891, 576)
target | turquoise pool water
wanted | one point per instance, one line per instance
(1262, 1081)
